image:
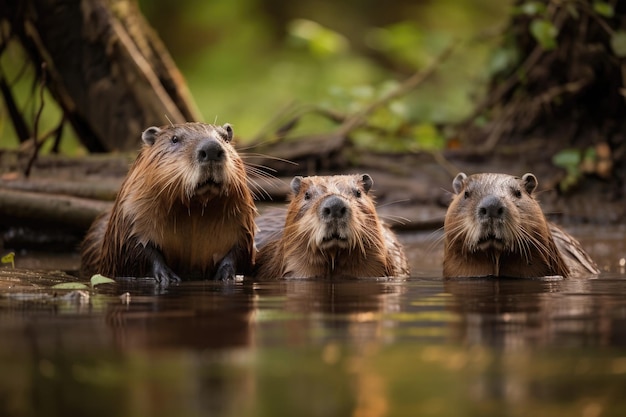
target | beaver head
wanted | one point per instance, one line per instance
(330, 213)
(494, 226)
(190, 161)
(332, 225)
(491, 209)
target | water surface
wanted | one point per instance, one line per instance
(416, 347)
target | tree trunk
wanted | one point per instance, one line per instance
(565, 86)
(104, 65)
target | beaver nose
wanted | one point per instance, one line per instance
(210, 150)
(490, 207)
(333, 208)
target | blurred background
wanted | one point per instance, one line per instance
(253, 62)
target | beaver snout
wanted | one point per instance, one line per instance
(334, 208)
(210, 151)
(490, 208)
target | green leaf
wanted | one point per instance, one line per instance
(71, 286)
(544, 33)
(98, 279)
(603, 8)
(320, 40)
(618, 43)
(567, 158)
(502, 59)
(532, 8)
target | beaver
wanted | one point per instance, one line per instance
(495, 226)
(184, 210)
(330, 229)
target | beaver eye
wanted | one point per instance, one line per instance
(175, 139)
(307, 195)
(357, 193)
(466, 195)
(517, 193)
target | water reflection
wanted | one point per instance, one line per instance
(198, 315)
(423, 346)
(325, 311)
(517, 314)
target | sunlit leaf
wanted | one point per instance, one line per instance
(618, 43)
(320, 40)
(531, 8)
(71, 286)
(544, 33)
(603, 8)
(100, 279)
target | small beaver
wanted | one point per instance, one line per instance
(184, 210)
(494, 226)
(330, 229)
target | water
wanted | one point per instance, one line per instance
(418, 347)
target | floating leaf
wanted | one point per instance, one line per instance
(603, 8)
(618, 43)
(544, 33)
(9, 258)
(71, 286)
(98, 279)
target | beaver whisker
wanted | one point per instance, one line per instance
(257, 188)
(259, 168)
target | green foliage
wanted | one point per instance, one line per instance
(618, 43)
(575, 162)
(544, 32)
(335, 58)
(603, 8)
(401, 41)
(320, 41)
(531, 8)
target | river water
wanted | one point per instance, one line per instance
(416, 347)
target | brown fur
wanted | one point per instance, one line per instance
(308, 241)
(494, 226)
(184, 210)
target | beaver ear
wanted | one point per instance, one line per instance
(457, 183)
(295, 184)
(229, 132)
(530, 182)
(149, 135)
(367, 182)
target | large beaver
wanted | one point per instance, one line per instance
(331, 229)
(494, 226)
(184, 210)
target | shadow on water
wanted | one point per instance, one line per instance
(421, 346)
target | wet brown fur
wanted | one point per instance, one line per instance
(519, 243)
(198, 218)
(293, 244)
